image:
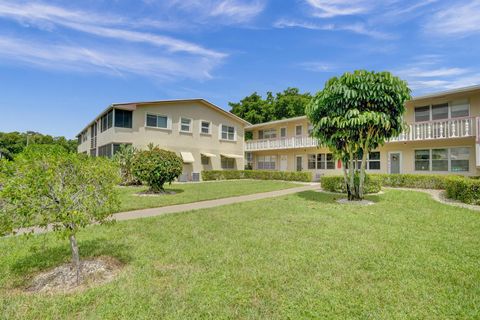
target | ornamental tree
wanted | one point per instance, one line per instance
(124, 158)
(156, 167)
(46, 186)
(353, 115)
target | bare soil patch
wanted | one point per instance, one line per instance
(63, 279)
(149, 193)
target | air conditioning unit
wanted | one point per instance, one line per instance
(196, 176)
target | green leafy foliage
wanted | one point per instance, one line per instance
(416, 181)
(337, 184)
(13, 143)
(287, 104)
(124, 158)
(354, 114)
(256, 174)
(46, 185)
(156, 167)
(464, 190)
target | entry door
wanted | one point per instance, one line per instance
(299, 163)
(283, 163)
(395, 159)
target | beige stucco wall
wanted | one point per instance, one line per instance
(175, 140)
(407, 149)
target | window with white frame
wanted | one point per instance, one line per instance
(249, 160)
(266, 162)
(283, 132)
(460, 159)
(442, 111)
(185, 124)
(373, 160)
(205, 127)
(321, 161)
(310, 129)
(157, 121)
(227, 163)
(205, 160)
(298, 130)
(228, 133)
(443, 159)
(267, 134)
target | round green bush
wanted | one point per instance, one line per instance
(156, 167)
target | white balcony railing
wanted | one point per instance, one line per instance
(441, 129)
(444, 129)
(281, 143)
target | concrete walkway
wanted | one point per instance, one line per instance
(153, 212)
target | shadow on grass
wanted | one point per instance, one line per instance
(52, 256)
(331, 197)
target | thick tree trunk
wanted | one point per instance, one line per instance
(75, 256)
(362, 176)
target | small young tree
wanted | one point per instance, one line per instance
(47, 186)
(124, 158)
(356, 113)
(156, 167)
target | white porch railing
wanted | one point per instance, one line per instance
(281, 143)
(441, 129)
(444, 129)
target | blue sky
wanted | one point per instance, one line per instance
(62, 62)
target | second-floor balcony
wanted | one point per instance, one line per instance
(420, 131)
(281, 143)
(439, 129)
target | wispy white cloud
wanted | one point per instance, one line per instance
(429, 73)
(222, 11)
(318, 66)
(238, 11)
(332, 8)
(76, 58)
(358, 28)
(47, 15)
(456, 19)
(160, 56)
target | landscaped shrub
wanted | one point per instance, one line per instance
(124, 157)
(302, 176)
(464, 189)
(337, 184)
(420, 181)
(156, 167)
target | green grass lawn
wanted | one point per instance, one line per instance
(298, 256)
(192, 192)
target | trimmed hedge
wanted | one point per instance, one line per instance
(419, 181)
(302, 176)
(464, 189)
(337, 184)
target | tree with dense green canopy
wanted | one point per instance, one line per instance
(354, 114)
(287, 104)
(156, 167)
(13, 143)
(46, 186)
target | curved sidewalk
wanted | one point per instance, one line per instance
(153, 212)
(159, 211)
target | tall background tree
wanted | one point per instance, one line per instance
(356, 113)
(13, 143)
(287, 104)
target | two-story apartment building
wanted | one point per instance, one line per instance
(204, 135)
(441, 137)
